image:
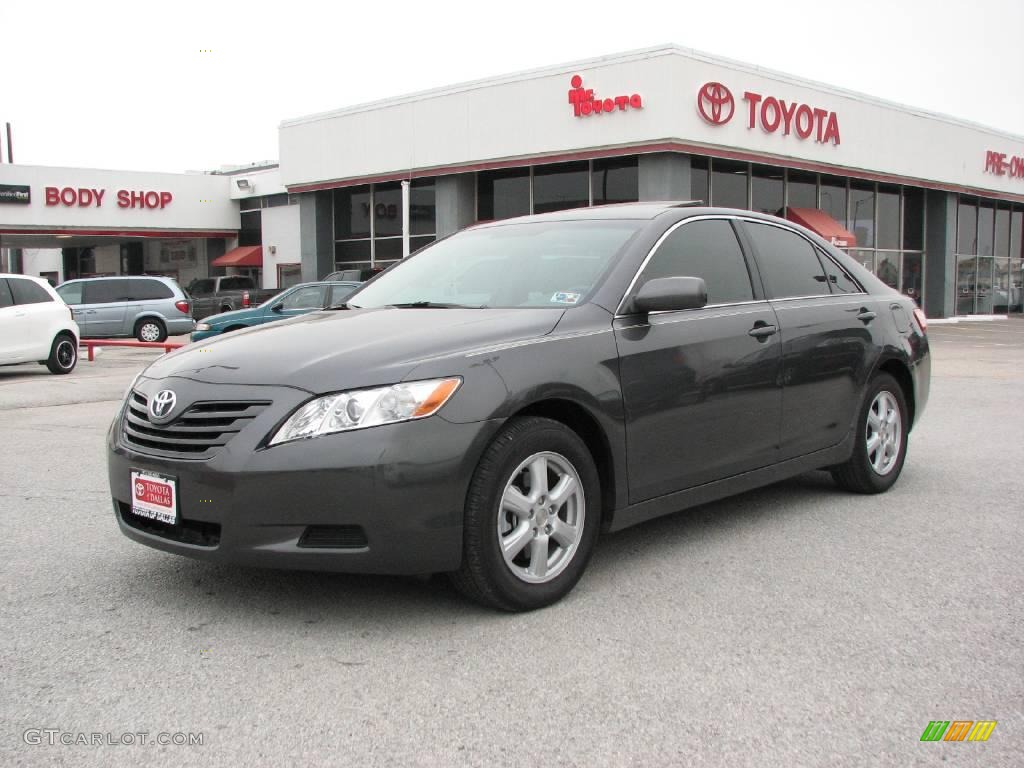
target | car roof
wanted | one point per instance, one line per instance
(121, 277)
(30, 277)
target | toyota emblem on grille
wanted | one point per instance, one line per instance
(162, 404)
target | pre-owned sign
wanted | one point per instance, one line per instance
(88, 197)
(1001, 164)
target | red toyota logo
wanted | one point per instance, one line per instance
(715, 103)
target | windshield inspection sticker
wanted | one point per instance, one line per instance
(565, 297)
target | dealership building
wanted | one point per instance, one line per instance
(932, 205)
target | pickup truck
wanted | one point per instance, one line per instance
(213, 295)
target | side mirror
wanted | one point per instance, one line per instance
(666, 294)
(277, 308)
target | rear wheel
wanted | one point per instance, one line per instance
(881, 441)
(63, 354)
(532, 516)
(150, 329)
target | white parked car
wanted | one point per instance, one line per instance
(36, 325)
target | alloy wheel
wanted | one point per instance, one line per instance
(540, 517)
(883, 432)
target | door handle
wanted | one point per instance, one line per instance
(866, 316)
(762, 330)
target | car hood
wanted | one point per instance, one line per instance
(328, 351)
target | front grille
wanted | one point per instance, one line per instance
(194, 532)
(333, 537)
(198, 433)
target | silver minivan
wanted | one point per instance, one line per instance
(150, 308)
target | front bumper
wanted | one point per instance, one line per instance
(200, 335)
(401, 486)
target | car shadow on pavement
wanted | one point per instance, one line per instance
(242, 594)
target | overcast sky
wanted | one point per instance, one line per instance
(184, 85)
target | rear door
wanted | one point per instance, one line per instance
(700, 386)
(825, 322)
(104, 307)
(202, 294)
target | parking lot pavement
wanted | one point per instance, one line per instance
(796, 625)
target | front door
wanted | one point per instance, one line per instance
(701, 392)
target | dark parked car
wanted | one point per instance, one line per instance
(487, 406)
(213, 295)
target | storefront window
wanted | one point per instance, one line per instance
(1003, 231)
(913, 277)
(888, 217)
(966, 277)
(351, 213)
(967, 226)
(503, 194)
(422, 207)
(347, 252)
(862, 212)
(1017, 234)
(251, 229)
(387, 209)
(615, 180)
(802, 191)
(887, 269)
(865, 258)
(561, 186)
(699, 179)
(766, 189)
(986, 228)
(728, 184)
(1016, 298)
(913, 218)
(1001, 285)
(833, 199)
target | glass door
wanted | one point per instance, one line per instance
(966, 284)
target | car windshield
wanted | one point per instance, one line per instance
(536, 264)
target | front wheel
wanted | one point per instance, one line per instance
(880, 447)
(63, 354)
(532, 516)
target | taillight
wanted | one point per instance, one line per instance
(245, 299)
(181, 306)
(921, 319)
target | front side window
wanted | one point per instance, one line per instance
(341, 292)
(788, 263)
(202, 287)
(28, 292)
(706, 249)
(307, 297)
(71, 293)
(537, 264)
(236, 283)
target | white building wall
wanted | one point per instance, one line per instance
(36, 261)
(280, 240)
(529, 115)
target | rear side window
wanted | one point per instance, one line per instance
(838, 280)
(71, 293)
(148, 290)
(201, 287)
(106, 291)
(339, 293)
(5, 295)
(236, 283)
(706, 249)
(789, 264)
(28, 292)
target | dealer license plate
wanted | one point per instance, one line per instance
(155, 496)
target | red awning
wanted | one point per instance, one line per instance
(821, 223)
(245, 256)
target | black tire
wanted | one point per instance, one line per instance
(485, 577)
(858, 474)
(144, 327)
(63, 354)
(226, 308)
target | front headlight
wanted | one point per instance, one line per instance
(202, 326)
(360, 408)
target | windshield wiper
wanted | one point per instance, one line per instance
(434, 305)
